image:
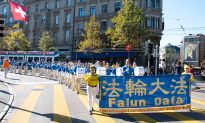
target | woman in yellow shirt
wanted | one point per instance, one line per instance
(192, 80)
(91, 80)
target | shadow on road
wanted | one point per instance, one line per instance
(52, 116)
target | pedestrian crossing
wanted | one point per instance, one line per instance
(68, 107)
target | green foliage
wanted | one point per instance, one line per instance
(91, 38)
(170, 56)
(16, 39)
(128, 25)
(46, 42)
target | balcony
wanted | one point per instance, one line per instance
(81, 3)
(67, 26)
(67, 10)
(153, 10)
(55, 27)
(92, 1)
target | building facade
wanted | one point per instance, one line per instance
(193, 49)
(64, 19)
(169, 55)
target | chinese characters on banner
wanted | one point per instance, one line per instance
(150, 93)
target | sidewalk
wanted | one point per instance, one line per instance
(6, 98)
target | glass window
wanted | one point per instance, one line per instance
(49, 59)
(28, 10)
(55, 36)
(56, 19)
(68, 2)
(4, 10)
(46, 5)
(43, 20)
(158, 4)
(80, 28)
(37, 8)
(82, 1)
(81, 12)
(36, 22)
(67, 17)
(104, 8)
(103, 25)
(118, 6)
(67, 35)
(57, 4)
(92, 10)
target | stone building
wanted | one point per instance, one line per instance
(64, 19)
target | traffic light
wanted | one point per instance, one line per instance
(150, 47)
(1, 28)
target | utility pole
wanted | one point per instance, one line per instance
(156, 56)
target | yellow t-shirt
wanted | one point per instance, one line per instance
(191, 78)
(91, 80)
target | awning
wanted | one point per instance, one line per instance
(103, 54)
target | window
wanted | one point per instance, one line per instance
(10, 20)
(57, 4)
(92, 10)
(67, 35)
(43, 20)
(56, 19)
(153, 22)
(4, 10)
(47, 5)
(81, 12)
(118, 6)
(152, 3)
(82, 1)
(103, 25)
(158, 23)
(158, 4)
(37, 8)
(55, 36)
(104, 8)
(80, 28)
(36, 21)
(68, 2)
(67, 17)
(28, 10)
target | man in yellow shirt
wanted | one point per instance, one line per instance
(192, 80)
(91, 80)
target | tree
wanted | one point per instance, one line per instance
(91, 37)
(16, 39)
(46, 42)
(128, 25)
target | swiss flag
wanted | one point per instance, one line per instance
(18, 11)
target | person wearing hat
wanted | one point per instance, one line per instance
(192, 80)
(6, 66)
(91, 80)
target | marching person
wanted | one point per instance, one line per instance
(192, 80)
(127, 70)
(91, 80)
(6, 67)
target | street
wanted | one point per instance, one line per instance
(38, 100)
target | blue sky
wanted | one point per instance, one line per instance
(190, 14)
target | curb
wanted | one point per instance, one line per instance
(6, 108)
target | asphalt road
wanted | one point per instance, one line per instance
(38, 100)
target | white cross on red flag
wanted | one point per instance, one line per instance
(18, 11)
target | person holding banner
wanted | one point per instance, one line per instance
(192, 80)
(91, 80)
(127, 69)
